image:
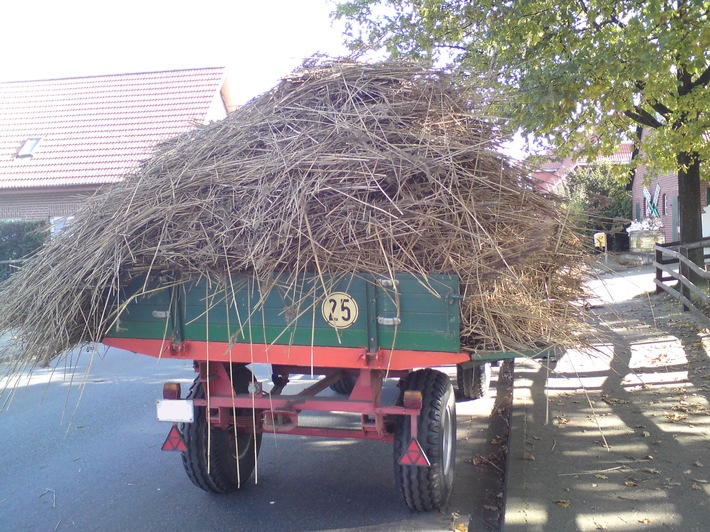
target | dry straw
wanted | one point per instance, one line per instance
(343, 167)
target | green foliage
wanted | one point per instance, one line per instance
(585, 73)
(597, 193)
(20, 239)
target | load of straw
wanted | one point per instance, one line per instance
(343, 167)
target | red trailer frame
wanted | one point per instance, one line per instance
(279, 413)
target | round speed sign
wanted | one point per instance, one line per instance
(339, 310)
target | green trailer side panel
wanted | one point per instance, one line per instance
(415, 313)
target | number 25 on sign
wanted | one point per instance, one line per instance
(339, 310)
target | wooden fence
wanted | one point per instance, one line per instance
(673, 265)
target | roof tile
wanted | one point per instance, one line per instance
(96, 129)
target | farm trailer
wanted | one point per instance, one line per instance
(354, 331)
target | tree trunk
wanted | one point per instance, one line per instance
(691, 229)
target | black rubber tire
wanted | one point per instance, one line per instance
(474, 382)
(345, 385)
(211, 460)
(428, 488)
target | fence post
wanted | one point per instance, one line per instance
(684, 270)
(659, 271)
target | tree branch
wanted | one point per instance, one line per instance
(685, 80)
(643, 117)
(452, 47)
(703, 79)
(662, 109)
(658, 106)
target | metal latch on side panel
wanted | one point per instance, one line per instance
(454, 298)
(390, 283)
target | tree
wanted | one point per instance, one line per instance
(581, 75)
(596, 193)
(20, 239)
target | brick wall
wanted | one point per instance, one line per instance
(41, 205)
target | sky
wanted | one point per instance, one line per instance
(257, 40)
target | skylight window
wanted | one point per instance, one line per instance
(28, 148)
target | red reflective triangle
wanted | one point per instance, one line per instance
(174, 441)
(414, 455)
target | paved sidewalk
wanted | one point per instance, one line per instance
(615, 438)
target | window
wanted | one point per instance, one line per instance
(27, 149)
(665, 204)
(59, 224)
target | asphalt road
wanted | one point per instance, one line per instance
(83, 452)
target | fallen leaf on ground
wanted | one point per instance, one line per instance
(645, 520)
(650, 470)
(564, 503)
(604, 477)
(484, 460)
(690, 408)
(698, 463)
(613, 401)
(529, 456)
(696, 487)
(630, 484)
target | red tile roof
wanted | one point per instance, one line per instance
(96, 129)
(550, 173)
(621, 156)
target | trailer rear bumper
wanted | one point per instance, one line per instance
(258, 411)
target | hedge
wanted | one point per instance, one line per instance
(19, 240)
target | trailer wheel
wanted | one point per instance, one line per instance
(216, 460)
(428, 488)
(474, 382)
(345, 385)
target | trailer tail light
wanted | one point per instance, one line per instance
(171, 390)
(412, 399)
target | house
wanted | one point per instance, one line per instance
(551, 174)
(63, 139)
(657, 197)
(654, 197)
